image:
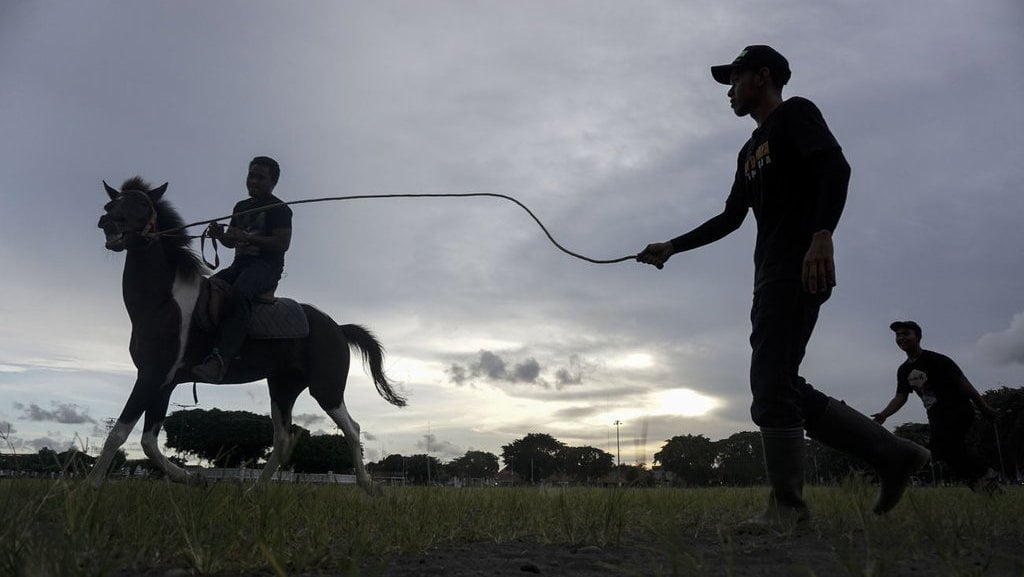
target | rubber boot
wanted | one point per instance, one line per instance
(784, 450)
(893, 458)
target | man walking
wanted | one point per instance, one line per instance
(260, 240)
(793, 174)
(949, 399)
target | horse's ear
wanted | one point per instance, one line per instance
(113, 194)
(158, 192)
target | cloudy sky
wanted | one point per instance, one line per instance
(602, 117)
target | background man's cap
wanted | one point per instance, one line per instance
(897, 325)
(755, 57)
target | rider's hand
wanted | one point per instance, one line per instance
(215, 230)
(879, 418)
(656, 254)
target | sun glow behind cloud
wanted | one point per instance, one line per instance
(634, 361)
(673, 402)
(685, 402)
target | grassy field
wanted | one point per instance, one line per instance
(61, 528)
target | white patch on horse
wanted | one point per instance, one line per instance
(185, 292)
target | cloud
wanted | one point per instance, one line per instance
(66, 413)
(458, 374)
(369, 436)
(573, 375)
(1005, 347)
(573, 413)
(491, 366)
(527, 371)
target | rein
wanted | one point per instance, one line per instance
(203, 236)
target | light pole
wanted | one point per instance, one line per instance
(618, 461)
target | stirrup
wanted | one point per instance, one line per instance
(207, 373)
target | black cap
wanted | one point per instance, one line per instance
(755, 57)
(899, 325)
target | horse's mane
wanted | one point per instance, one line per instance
(177, 245)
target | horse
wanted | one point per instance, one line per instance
(161, 285)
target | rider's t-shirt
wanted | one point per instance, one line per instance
(261, 223)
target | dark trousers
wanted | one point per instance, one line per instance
(949, 429)
(249, 278)
(782, 319)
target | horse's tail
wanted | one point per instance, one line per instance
(373, 360)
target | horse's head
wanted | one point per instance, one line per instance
(131, 213)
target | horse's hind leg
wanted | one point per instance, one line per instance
(282, 400)
(329, 360)
(339, 414)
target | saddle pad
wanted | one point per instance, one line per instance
(284, 319)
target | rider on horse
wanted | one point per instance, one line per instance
(260, 240)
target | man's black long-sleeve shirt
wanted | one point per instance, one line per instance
(793, 174)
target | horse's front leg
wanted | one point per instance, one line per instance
(155, 415)
(118, 434)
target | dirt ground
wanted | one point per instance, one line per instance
(804, 553)
(801, 554)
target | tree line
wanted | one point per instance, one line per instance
(239, 438)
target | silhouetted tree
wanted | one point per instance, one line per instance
(824, 465)
(690, 457)
(534, 457)
(422, 469)
(321, 454)
(739, 459)
(1006, 435)
(634, 475)
(584, 464)
(919, 433)
(225, 438)
(474, 465)
(390, 466)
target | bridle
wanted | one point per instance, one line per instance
(148, 232)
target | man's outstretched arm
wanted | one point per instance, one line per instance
(894, 405)
(713, 229)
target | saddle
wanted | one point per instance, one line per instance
(273, 317)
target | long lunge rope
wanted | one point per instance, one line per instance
(409, 195)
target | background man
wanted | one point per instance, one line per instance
(793, 174)
(260, 240)
(949, 399)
